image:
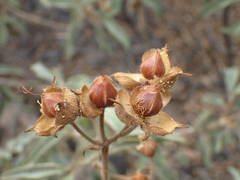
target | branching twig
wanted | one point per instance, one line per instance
(125, 131)
(75, 126)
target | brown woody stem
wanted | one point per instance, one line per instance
(77, 128)
(105, 157)
(102, 129)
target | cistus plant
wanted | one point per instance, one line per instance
(138, 103)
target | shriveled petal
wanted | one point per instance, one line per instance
(88, 109)
(45, 126)
(166, 97)
(124, 110)
(161, 124)
(129, 80)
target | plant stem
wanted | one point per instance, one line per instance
(125, 131)
(102, 129)
(105, 157)
(77, 128)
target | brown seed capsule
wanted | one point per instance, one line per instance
(152, 64)
(101, 91)
(146, 101)
(148, 147)
(49, 102)
(139, 176)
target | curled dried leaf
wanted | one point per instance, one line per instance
(129, 80)
(88, 109)
(161, 124)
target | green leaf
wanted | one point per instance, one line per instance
(3, 33)
(237, 90)
(78, 80)
(232, 30)
(165, 172)
(234, 172)
(213, 99)
(155, 5)
(34, 171)
(112, 120)
(42, 71)
(10, 70)
(231, 76)
(43, 143)
(15, 23)
(117, 31)
(213, 6)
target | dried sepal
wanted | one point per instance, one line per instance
(88, 109)
(129, 80)
(161, 124)
(124, 109)
(167, 81)
(45, 126)
(166, 97)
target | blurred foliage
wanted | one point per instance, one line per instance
(214, 6)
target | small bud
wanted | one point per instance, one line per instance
(102, 91)
(49, 102)
(146, 101)
(148, 147)
(139, 176)
(152, 64)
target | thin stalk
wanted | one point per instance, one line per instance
(125, 131)
(102, 129)
(77, 128)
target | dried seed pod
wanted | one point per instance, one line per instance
(152, 64)
(101, 91)
(139, 176)
(148, 147)
(49, 102)
(146, 101)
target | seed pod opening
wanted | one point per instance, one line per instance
(102, 91)
(49, 102)
(146, 101)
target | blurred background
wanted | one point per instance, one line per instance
(76, 40)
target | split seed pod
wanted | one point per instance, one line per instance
(146, 100)
(59, 106)
(155, 63)
(102, 91)
(148, 147)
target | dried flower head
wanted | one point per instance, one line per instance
(59, 106)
